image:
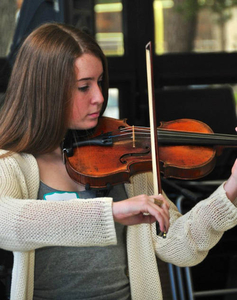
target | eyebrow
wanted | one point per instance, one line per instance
(86, 78)
(90, 78)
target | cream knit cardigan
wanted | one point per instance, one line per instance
(27, 224)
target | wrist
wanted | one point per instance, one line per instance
(231, 188)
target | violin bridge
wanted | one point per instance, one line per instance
(133, 137)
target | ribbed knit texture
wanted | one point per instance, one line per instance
(27, 224)
(187, 243)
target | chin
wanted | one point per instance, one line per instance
(92, 123)
(87, 125)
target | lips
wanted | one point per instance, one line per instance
(94, 115)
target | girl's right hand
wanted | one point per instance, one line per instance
(142, 209)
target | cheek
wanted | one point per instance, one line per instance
(78, 106)
(76, 113)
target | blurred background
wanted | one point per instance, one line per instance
(194, 49)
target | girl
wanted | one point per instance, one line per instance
(68, 242)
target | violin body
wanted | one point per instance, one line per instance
(102, 165)
(129, 152)
(187, 161)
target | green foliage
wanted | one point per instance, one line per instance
(218, 4)
(190, 8)
(221, 7)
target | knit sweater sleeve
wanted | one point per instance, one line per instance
(193, 234)
(27, 224)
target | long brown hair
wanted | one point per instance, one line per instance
(36, 111)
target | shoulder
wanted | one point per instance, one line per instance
(23, 160)
(19, 169)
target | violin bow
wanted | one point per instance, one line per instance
(153, 128)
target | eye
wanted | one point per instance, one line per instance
(100, 82)
(83, 88)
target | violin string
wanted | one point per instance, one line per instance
(141, 131)
(189, 133)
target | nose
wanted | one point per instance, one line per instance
(98, 97)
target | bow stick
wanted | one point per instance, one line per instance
(153, 129)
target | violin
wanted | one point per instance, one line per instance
(114, 151)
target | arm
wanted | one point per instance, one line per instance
(26, 223)
(231, 184)
(192, 235)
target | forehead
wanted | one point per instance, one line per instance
(88, 65)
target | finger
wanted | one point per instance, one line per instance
(158, 208)
(161, 202)
(161, 214)
(131, 210)
(138, 219)
(163, 221)
(158, 202)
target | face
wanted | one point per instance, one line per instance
(87, 96)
